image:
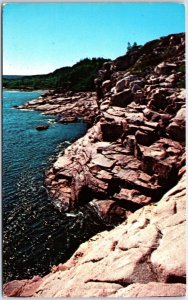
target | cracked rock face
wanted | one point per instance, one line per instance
(130, 168)
(132, 154)
(144, 256)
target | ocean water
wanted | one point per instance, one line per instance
(35, 235)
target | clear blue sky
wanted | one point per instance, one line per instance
(41, 37)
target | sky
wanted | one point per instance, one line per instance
(41, 37)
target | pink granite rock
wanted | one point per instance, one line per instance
(129, 166)
(152, 289)
(22, 288)
(144, 256)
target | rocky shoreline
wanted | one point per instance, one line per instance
(67, 106)
(130, 167)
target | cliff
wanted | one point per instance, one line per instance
(130, 167)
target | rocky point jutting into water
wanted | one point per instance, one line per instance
(130, 167)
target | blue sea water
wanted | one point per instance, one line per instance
(35, 234)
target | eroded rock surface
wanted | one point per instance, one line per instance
(130, 166)
(67, 106)
(144, 256)
(137, 141)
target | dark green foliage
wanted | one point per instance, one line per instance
(132, 47)
(80, 77)
(181, 84)
(181, 68)
(128, 46)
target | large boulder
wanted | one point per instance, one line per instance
(161, 159)
(111, 131)
(165, 68)
(22, 288)
(109, 210)
(125, 82)
(42, 127)
(123, 98)
(67, 119)
(176, 128)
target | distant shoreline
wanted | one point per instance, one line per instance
(25, 90)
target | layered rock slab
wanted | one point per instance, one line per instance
(130, 174)
(67, 106)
